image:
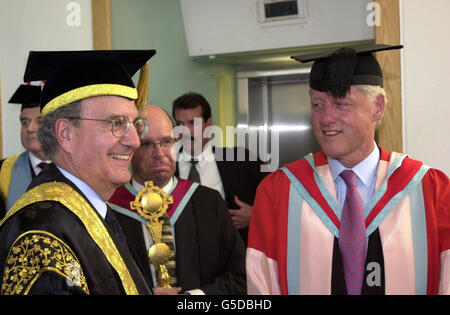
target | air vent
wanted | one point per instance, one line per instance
(280, 9)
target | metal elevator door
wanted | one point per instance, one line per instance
(276, 110)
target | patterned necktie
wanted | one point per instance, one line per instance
(194, 176)
(167, 238)
(352, 235)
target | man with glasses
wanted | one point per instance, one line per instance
(209, 254)
(61, 237)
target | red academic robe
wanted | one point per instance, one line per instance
(294, 231)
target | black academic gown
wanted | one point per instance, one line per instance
(210, 255)
(51, 225)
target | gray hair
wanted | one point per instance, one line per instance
(372, 91)
(46, 133)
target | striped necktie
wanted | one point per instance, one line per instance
(352, 235)
(167, 238)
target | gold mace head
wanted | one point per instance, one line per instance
(151, 202)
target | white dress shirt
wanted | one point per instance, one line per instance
(206, 167)
(35, 161)
(94, 198)
(366, 176)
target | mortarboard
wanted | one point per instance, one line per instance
(75, 75)
(335, 71)
(26, 95)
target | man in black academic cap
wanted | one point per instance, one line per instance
(353, 218)
(60, 237)
(17, 171)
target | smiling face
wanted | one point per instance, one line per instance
(155, 159)
(345, 127)
(92, 152)
(30, 121)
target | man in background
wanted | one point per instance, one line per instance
(17, 171)
(200, 161)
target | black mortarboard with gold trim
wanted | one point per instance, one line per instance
(335, 71)
(26, 95)
(75, 75)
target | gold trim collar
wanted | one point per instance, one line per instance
(67, 196)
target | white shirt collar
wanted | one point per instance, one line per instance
(207, 155)
(365, 170)
(166, 188)
(34, 160)
(94, 198)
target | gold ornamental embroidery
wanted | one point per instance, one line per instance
(34, 253)
(66, 195)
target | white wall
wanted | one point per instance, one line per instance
(35, 25)
(425, 31)
(235, 26)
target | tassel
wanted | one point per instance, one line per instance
(142, 87)
(338, 72)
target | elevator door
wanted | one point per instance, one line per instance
(276, 109)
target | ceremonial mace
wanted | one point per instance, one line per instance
(151, 203)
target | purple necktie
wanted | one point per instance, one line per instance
(352, 235)
(42, 165)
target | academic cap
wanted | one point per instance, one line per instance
(75, 75)
(335, 71)
(26, 95)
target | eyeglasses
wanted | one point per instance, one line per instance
(164, 144)
(121, 124)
